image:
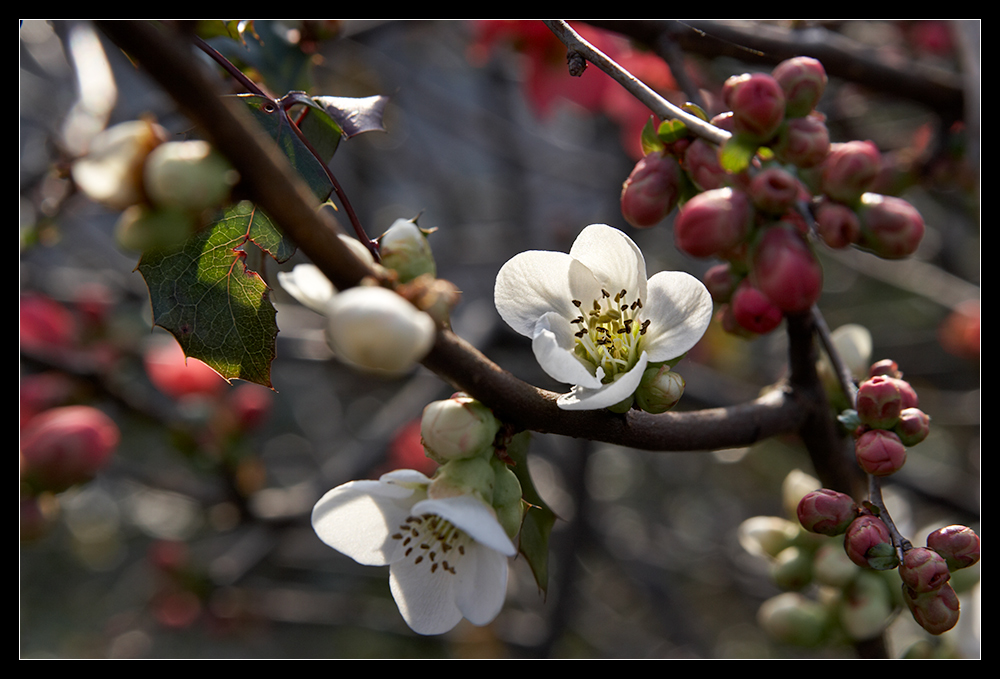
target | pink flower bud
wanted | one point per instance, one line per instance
(802, 81)
(757, 102)
(177, 376)
(880, 452)
(837, 224)
(701, 162)
(937, 611)
(913, 426)
(753, 311)
(890, 227)
(803, 142)
(650, 193)
(879, 402)
(887, 367)
(906, 392)
(713, 222)
(785, 269)
(869, 545)
(721, 282)
(773, 190)
(826, 512)
(65, 446)
(457, 428)
(850, 169)
(923, 570)
(959, 545)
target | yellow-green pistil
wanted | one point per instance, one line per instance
(610, 333)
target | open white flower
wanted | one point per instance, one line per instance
(594, 320)
(447, 557)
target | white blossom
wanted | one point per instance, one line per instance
(594, 319)
(447, 557)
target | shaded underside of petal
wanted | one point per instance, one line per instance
(473, 518)
(307, 284)
(358, 518)
(581, 398)
(535, 283)
(425, 599)
(482, 586)
(553, 347)
(679, 309)
(613, 258)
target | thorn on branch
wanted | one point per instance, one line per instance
(576, 62)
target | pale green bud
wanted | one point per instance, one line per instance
(797, 485)
(141, 228)
(188, 175)
(832, 566)
(111, 173)
(866, 607)
(767, 535)
(507, 497)
(474, 476)
(457, 428)
(659, 390)
(405, 250)
(791, 618)
(792, 568)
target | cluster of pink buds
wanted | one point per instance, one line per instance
(888, 419)
(753, 212)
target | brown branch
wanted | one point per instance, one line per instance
(278, 190)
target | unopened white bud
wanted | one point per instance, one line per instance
(374, 329)
(188, 175)
(457, 428)
(405, 250)
(111, 173)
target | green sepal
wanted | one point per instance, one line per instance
(735, 155)
(671, 131)
(538, 518)
(649, 140)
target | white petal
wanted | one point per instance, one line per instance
(473, 518)
(535, 283)
(482, 586)
(553, 347)
(426, 600)
(613, 258)
(307, 284)
(679, 309)
(358, 518)
(581, 398)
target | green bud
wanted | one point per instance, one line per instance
(474, 476)
(140, 228)
(792, 569)
(791, 618)
(188, 175)
(767, 535)
(832, 566)
(659, 390)
(405, 250)
(866, 606)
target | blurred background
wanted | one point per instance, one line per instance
(193, 538)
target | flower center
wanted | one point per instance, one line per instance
(432, 541)
(610, 333)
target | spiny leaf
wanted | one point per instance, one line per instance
(538, 519)
(202, 292)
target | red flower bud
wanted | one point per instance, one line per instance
(913, 426)
(890, 227)
(879, 402)
(887, 367)
(178, 376)
(959, 545)
(923, 570)
(937, 611)
(850, 169)
(65, 446)
(721, 282)
(869, 545)
(650, 193)
(802, 81)
(713, 222)
(785, 269)
(701, 162)
(753, 311)
(803, 142)
(826, 511)
(773, 190)
(880, 452)
(837, 224)
(757, 102)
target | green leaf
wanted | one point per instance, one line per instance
(275, 122)
(672, 130)
(538, 519)
(649, 140)
(736, 154)
(695, 110)
(219, 311)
